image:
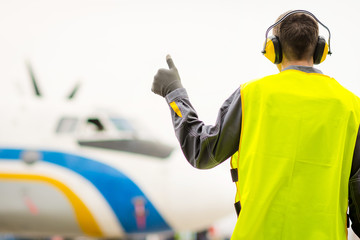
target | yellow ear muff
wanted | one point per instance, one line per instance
(325, 53)
(273, 50)
(321, 50)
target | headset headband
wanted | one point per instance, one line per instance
(290, 13)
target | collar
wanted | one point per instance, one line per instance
(303, 69)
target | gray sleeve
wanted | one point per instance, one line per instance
(354, 189)
(206, 146)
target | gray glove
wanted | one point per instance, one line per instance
(166, 80)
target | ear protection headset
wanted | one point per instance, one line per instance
(272, 47)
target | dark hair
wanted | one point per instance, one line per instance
(298, 35)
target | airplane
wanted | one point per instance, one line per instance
(78, 170)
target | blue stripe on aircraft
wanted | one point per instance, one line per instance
(118, 189)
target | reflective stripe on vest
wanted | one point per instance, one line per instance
(294, 160)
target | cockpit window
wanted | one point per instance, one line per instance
(122, 124)
(116, 133)
(67, 125)
(96, 122)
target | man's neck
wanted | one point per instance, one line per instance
(286, 63)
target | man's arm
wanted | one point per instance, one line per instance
(354, 189)
(206, 146)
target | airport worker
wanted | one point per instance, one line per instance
(292, 138)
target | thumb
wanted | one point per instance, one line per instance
(170, 62)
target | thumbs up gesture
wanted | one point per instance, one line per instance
(166, 80)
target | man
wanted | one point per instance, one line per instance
(293, 138)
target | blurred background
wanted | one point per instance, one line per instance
(114, 48)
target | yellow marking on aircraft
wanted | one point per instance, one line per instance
(83, 215)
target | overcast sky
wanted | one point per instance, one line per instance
(115, 48)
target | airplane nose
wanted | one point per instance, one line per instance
(198, 197)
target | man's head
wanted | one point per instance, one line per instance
(298, 35)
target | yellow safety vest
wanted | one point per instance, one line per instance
(296, 147)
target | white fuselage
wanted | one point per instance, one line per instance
(52, 184)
